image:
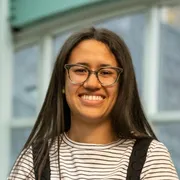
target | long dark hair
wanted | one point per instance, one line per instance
(128, 118)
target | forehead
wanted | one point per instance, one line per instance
(93, 53)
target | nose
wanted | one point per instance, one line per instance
(92, 82)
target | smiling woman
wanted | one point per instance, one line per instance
(91, 124)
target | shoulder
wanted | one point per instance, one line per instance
(158, 151)
(158, 164)
(157, 148)
(23, 167)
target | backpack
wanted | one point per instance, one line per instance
(136, 162)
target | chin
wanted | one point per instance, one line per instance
(92, 117)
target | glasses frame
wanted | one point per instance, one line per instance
(118, 69)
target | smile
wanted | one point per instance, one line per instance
(92, 97)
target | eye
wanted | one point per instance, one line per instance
(79, 70)
(105, 72)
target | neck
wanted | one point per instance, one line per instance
(101, 133)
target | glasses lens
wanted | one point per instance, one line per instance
(107, 76)
(78, 74)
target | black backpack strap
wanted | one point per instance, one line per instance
(137, 159)
(46, 170)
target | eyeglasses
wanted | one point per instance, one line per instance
(107, 76)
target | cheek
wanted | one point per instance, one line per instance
(70, 90)
(114, 92)
(114, 97)
(67, 90)
(68, 86)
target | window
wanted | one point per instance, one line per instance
(25, 95)
(58, 42)
(168, 124)
(169, 82)
(25, 82)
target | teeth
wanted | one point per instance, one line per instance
(92, 98)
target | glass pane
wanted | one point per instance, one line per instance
(59, 41)
(25, 82)
(131, 28)
(169, 134)
(18, 139)
(169, 83)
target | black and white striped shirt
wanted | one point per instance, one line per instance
(82, 161)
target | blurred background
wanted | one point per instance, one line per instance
(32, 33)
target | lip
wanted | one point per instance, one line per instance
(91, 103)
(92, 94)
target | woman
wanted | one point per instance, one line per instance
(91, 117)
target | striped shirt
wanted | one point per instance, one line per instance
(82, 161)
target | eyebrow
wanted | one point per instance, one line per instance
(87, 64)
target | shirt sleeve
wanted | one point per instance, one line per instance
(23, 167)
(158, 164)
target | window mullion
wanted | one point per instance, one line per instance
(45, 66)
(151, 61)
(166, 116)
(6, 51)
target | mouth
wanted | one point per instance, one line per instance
(92, 97)
(88, 99)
